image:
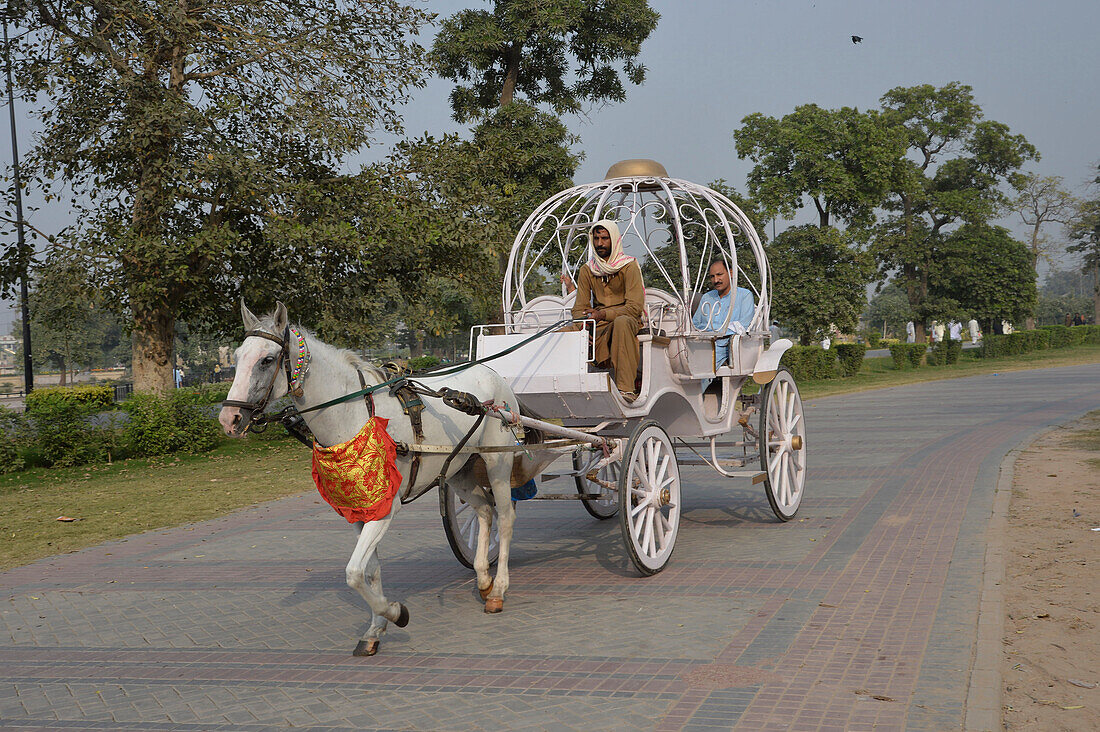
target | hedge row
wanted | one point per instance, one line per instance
(86, 398)
(907, 353)
(810, 362)
(1050, 336)
(74, 426)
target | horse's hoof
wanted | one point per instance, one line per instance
(366, 648)
(485, 593)
(494, 604)
(402, 618)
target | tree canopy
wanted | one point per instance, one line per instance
(189, 125)
(955, 173)
(842, 160)
(818, 281)
(562, 53)
(982, 272)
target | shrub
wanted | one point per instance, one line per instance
(850, 356)
(873, 338)
(1060, 336)
(810, 362)
(1087, 334)
(423, 363)
(161, 425)
(205, 393)
(915, 352)
(12, 434)
(899, 352)
(64, 434)
(945, 353)
(88, 399)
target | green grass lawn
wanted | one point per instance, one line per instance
(131, 496)
(879, 373)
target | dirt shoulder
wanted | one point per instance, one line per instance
(1051, 667)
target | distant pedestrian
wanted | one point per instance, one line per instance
(1069, 320)
(955, 330)
(826, 342)
(776, 332)
(1077, 319)
(910, 332)
(179, 377)
(975, 332)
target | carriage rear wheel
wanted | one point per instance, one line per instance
(783, 445)
(607, 505)
(461, 526)
(649, 498)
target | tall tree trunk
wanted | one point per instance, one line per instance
(152, 346)
(63, 372)
(511, 74)
(1096, 296)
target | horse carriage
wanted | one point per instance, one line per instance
(549, 400)
(632, 450)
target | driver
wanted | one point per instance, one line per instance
(610, 291)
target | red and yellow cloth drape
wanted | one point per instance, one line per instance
(359, 478)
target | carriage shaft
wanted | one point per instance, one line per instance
(511, 418)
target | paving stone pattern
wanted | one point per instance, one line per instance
(860, 614)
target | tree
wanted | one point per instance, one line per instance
(818, 281)
(890, 305)
(68, 323)
(189, 124)
(842, 160)
(1084, 232)
(1064, 292)
(562, 53)
(983, 273)
(1041, 201)
(954, 171)
(516, 158)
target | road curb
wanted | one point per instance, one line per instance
(984, 695)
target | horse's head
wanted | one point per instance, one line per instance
(262, 365)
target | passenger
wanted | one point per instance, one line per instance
(716, 303)
(610, 291)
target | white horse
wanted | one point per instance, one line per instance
(332, 373)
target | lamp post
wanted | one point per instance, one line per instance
(21, 248)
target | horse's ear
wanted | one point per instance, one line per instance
(250, 321)
(280, 317)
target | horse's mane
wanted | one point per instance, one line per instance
(346, 355)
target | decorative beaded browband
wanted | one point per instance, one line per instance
(300, 366)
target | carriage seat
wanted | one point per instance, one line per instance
(543, 311)
(663, 314)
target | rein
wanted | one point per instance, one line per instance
(442, 372)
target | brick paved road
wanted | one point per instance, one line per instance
(860, 613)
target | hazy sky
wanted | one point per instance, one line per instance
(1033, 66)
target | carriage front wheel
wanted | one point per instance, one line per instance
(460, 525)
(649, 497)
(783, 445)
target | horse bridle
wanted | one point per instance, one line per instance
(258, 407)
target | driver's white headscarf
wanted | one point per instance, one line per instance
(616, 260)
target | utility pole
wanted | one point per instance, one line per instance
(21, 248)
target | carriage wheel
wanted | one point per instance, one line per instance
(607, 505)
(460, 525)
(649, 498)
(783, 445)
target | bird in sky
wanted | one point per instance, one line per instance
(857, 39)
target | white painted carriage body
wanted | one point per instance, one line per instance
(678, 227)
